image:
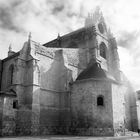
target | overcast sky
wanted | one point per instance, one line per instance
(46, 18)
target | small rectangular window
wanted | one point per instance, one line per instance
(100, 101)
(15, 104)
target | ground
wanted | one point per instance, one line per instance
(71, 138)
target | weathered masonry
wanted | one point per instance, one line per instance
(70, 85)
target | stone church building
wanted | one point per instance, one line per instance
(71, 85)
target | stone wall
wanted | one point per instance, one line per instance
(0, 72)
(6, 64)
(124, 108)
(51, 96)
(87, 117)
(138, 111)
(118, 108)
(133, 107)
(23, 121)
(113, 61)
(1, 114)
(8, 116)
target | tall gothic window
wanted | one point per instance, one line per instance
(10, 75)
(100, 100)
(103, 50)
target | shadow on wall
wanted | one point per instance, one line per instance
(58, 76)
(55, 96)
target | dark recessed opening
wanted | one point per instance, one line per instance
(103, 50)
(15, 104)
(100, 101)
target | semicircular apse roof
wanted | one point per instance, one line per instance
(94, 71)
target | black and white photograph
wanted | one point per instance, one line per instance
(70, 69)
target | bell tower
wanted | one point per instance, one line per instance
(104, 48)
(100, 45)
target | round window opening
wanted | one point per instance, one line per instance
(101, 28)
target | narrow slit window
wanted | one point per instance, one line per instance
(100, 101)
(15, 104)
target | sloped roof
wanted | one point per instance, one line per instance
(74, 37)
(95, 71)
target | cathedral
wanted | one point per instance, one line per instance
(71, 85)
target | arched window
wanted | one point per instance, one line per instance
(103, 50)
(10, 75)
(100, 100)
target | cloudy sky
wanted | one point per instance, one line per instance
(46, 18)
